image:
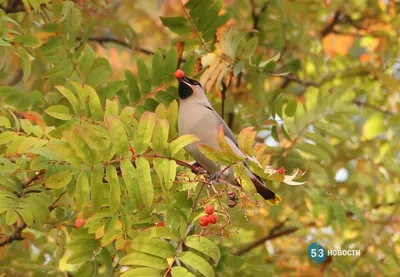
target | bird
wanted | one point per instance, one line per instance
(197, 117)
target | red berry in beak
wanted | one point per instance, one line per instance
(179, 74)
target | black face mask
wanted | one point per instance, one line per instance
(184, 90)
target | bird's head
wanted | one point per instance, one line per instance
(188, 87)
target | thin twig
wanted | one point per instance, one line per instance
(367, 105)
(150, 95)
(194, 27)
(329, 28)
(273, 234)
(17, 234)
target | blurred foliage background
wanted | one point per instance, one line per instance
(319, 81)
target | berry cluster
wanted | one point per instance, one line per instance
(210, 218)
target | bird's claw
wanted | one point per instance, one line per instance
(212, 177)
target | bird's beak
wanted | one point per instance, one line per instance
(184, 80)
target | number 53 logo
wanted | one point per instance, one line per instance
(317, 252)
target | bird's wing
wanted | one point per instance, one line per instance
(227, 131)
(266, 193)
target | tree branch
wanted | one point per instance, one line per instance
(17, 234)
(378, 234)
(273, 234)
(13, 7)
(194, 27)
(257, 16)
(102, 40)
(367, 105)
(329, 28)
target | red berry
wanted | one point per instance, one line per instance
(281, 170)
(213, 219)
(179, 74)
(79, 222)
(209, 209)
(160, 224)
(204, 220)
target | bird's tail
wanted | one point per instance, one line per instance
(270, 196)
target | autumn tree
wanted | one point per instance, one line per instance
(94, 179)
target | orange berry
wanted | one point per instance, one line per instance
(179, 74)
(213, 219)
(203, 221)
(79, 222)
(281, 170)
(209, 209)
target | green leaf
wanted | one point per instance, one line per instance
(225, 145)
(171, 62)
(153, 246)
(82, 191)
(133, 88)
(314, 150)
(197, 263)
(213, 154)
(129, 175)
(244, 178)
(71, 98)
(58, 180)
(291, 107)
(144, 77)
(144, 132)
(11, 217)
(25, 59)
(27, 40)
(12, 182)
(141, 259)
(177, 144)
(141, 272)
(115, 189)
(178, 271)
(274, 133)
(118, 135)
(26, 216)
(161, 232)
(5, 122)
(85, 270)
(251, 48)
(79, 146)
(374, 126)
(96, 109)
(57, 132)
(160, 136)
(321, 141)
(158, 69)
(238, 68)
(205, 246)
(111, 107)
(59, 112)
(98, 75)
(144, 175)
(166, 171)
(176, 24)
(246, 140)
(26, 126)
(97, 189)
(86, 59)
